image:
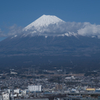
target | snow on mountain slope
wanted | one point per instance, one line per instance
(43, 21)
(48, 25)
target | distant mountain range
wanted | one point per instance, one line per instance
(47, 42)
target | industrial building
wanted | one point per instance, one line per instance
(34, 88)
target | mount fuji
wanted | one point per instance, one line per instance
(46, 24)
(49, 41)
(44, 21)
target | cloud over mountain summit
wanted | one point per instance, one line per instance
(48, 25)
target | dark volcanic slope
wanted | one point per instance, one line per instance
(80, 52)
(39, 45)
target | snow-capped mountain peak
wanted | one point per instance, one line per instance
(43, 21)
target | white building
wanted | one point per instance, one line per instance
(32, 88)
(71, 77)
(8, 91)
(17, 91)
(14, 73)
(23, 92)
(5, 96)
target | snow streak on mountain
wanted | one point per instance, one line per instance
(44, 21)
(46, 24)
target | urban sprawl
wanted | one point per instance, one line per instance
(32, 84)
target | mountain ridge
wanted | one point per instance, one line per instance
(51, 51)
